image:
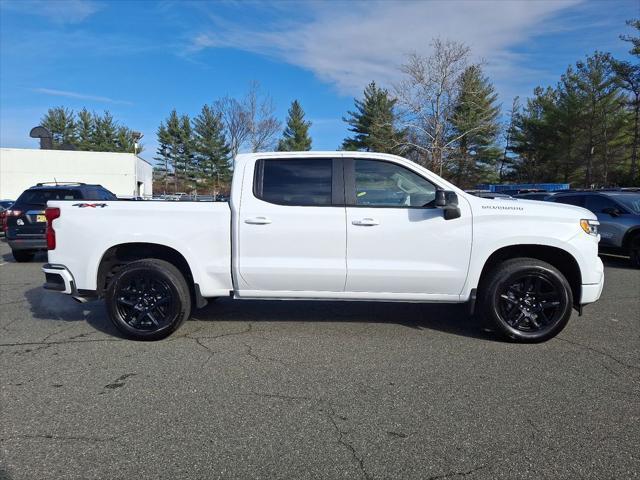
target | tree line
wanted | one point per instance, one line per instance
(88, 131)
(443, 113)
(196, 154)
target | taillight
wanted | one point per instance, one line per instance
(51, 214)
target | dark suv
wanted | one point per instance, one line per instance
(619, 215)
(26, 223)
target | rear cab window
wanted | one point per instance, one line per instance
(295, 182)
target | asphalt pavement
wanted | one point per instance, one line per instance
(322, 390)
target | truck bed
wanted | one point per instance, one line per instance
(199, 231)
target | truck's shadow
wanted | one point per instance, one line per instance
(452, 319)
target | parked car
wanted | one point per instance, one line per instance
(534, 195)
(618, 212)
(329, 225)
(26, 221)
(4, 206)
(487, 194)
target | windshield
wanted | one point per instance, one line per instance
(41, 197)
(630, 200)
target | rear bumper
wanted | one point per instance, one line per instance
(27, 243)
(59, 279)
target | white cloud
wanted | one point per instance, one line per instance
(80, 96)
(59, 11)
(350, 44)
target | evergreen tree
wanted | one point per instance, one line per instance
(210, 147)
(162, 170)
(85, 130)
(105, 133)
(475, 129)
(186, 152)
(295, 137)
(124, 140)
(628, 74)
(373, 123)
(61, 123)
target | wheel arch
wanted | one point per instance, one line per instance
(115, 257)
(629, 235)
(559, 258)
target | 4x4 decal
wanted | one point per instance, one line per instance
(89, 205)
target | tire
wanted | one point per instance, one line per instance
(148, 299)
(22, 256)
(526, 300)
(634, 251)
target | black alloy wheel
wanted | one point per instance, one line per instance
(145, 301)
(526, 300)
(148, 299)
(530, 302)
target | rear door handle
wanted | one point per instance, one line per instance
(366, 222)
(258, 221)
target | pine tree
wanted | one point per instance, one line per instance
(475, 129)
(61, 123)
(295, 137)
(186, 152)
(210, 147)
(373, 123)
(162, 170)
(628, 74)
(85, 127)
(105, 133)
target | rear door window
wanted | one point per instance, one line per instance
(299, 182)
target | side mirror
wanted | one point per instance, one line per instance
(614, 212)
(448, 201)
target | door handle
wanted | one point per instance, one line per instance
(366, 222)
(258, 221)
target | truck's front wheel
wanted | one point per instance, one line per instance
(526, 300)
(148, 299)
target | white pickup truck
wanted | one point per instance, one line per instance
(328, 225)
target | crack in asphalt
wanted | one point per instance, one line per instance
(62, 438)
(595, 350)
(228, 334)
(331, 414)
(60, 342)
(458, 474)
(119, 382)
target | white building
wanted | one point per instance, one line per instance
(124, 174)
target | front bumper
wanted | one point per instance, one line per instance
(59, 279)
(591, 292)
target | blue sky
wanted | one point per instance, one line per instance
(139, 60)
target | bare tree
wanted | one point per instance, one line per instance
(249, 123)
(262, 125)
(236, 122)
(427, 97)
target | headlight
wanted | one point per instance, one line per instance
(590, 226)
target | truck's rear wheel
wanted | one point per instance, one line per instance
(526, 300)
(148, 299)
